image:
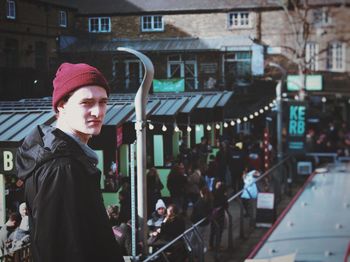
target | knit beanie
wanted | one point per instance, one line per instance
(70, 77)
(160, 203)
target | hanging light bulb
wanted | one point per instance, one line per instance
(266, 108)
(217, 126)
(271, 104)
(324, 99)
(232, 123)
(176, 128)
(208, 127)
(189, 129)
(245, 119)
(225, 125)
(238, 121)
(150, 126)
(261, 111)
(164, 128)
(256, 113)
(251, 116)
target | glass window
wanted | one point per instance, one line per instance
(321, 17)
(152, 23)
(63, 19)
(311, 56)
(238, 20)
(336, 56)
(99, 24)
(10, 9)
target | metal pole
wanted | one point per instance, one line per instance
(141, 99)
(279, 108)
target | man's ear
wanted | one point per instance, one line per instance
(60, 106)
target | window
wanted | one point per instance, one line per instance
(184, 67)
(336, 57)
(63, 19)
(237, 68)
(152, 23)
(10, 9)
(99, 24)
(311, 56)
(321, 17)
(238, 20)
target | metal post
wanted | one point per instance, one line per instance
(279, 120)
(140, 127)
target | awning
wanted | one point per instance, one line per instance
(225, 43)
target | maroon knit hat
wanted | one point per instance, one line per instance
(70, 77)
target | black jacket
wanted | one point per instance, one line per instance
(67, 218)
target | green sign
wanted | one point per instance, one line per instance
(296, 126)
(169, 85)
(313, 82)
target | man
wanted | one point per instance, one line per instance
(67, 218)
(5, 232)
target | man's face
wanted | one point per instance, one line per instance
(84, 111)
(161, 211)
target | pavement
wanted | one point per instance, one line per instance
(241, 247)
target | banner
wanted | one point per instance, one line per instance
(169, 85)
(296, 131)
(313, 82)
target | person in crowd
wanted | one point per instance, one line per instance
(236, 164)
(212, 172)
(20, 236)
(222, 158)
(67, 217)
(154, 188)
(220, 206)
(122, 234)
(173, 225)
(157, 217)
(195, 182)
(250, 190)
(177, 183)
(6, 230)
(203, 149)
(125, 206)
(113, 214)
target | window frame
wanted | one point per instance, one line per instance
(63, 19)
(100, 25)
(336, 58)
(152, 23)
(325, 18)
(312, 56)
(11, 9)
(240, 19)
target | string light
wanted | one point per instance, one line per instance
(266, 108)
(189, 129)
(256, 113)
(261, 111)
(239, 121)
(324, 99)
(225, 125)
(164, 128)
(176, 128)
(245, 119)
(217, 126)
(150, 126)
(251, 116)
(232, 123)
(208, 127)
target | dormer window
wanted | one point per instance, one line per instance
(10, 9)
(239, 20)
(152, 23)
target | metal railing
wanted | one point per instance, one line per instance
(22, 254)
(280, 178)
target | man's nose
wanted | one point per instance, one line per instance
(96, 110)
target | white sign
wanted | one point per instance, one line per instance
(266, 200)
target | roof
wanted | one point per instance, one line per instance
(224, 43)
(141, 6)
(16, 124)
(17, 118)
(63, 3)
(317, 226)
(129, 7)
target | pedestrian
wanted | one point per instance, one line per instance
(6, 230)
(67, 217)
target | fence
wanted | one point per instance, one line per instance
(279, 178)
